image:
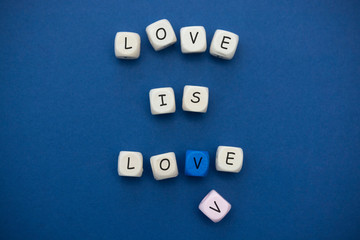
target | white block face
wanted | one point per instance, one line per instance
(164, 166)
(195, 99)
(130, 164)
(161, 34)
(229, 159)
(193, 39)
(224, 44)
(127, 45)
(162, 101)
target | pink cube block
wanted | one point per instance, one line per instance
(214, 206)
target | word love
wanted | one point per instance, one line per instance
(161, 35)
(164, 166)
(195, 99)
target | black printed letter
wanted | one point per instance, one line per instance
(228, 157)
(128, 165)
(126, 44)
(193, 39)
(162, 100)
(217, 208)
(157, 34)
(197, 165)
(198, 99)
(165, 159)
(223, 41)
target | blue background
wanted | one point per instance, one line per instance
(290, 98)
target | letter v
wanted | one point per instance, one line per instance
(193, 39)
(197, 165)
(217, 208)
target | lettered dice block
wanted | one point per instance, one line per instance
(161, 34)
(214, 206)
(127, 45)
(193, 39)
(130, 164)
(197, 163)
(224, 44)
(229, 159)
(162, 100)
(164, 166)
(195, 99)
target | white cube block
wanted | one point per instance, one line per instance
(164, 166)
(130, 164)
(193, 39)
(195, 99)
(214, 206)
(224, 44)
(161, 34)
(127, 45)
(229, 159)
(162, 100)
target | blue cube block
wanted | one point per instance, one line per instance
(197, 163)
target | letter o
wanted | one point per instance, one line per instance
(168, 164)
(157, 34)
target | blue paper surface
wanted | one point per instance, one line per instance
(290, 98)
